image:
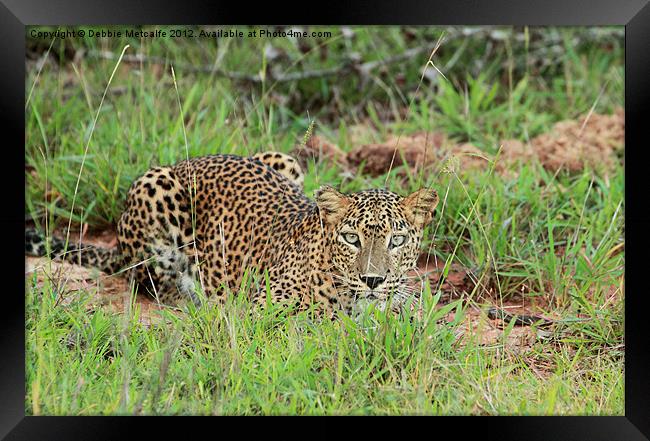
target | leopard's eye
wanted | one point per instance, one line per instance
(397, 240)
(351, 238)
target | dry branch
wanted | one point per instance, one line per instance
(349, 67)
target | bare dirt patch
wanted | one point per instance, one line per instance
(459, 279)
(476, 326)
(72, 281)
(319, 149)
(489, 332)
(594, 140)
(108, 292)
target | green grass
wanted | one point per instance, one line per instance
(223, 361)
(554, 239)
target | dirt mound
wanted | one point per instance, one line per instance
(110, 292)
(319, 149)
(415, 150)
(595, 141)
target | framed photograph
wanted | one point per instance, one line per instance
(420, 211)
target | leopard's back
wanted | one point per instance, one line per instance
(210, 218)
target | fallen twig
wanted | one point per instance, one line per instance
(348, 67)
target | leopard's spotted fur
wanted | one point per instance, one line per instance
(202, 223)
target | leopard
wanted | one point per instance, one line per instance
(196, 229)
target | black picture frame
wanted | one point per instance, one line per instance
(634, 14)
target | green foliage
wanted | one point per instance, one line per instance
(540, 235)
(227, 361)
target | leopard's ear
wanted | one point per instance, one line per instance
(419, 206)
(331, 203)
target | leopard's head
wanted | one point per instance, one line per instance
(373, 238)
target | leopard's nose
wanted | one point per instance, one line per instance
(372, 281)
